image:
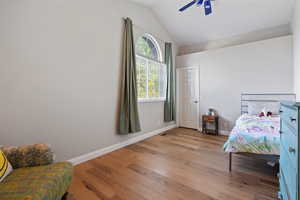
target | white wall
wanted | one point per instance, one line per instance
(60, 73)
(296, 45)
(262, 34)
(259, 67)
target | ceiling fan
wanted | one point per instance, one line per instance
(205, 3)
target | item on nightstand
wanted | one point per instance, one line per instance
(212, 112)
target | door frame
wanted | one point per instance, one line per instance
(178, 70)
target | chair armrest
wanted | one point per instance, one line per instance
(29, 156)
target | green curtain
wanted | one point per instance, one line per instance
(129, 118)
(169, 108)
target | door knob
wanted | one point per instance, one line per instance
(196, 102)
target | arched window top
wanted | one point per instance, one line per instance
(151, 71)
(148, 47)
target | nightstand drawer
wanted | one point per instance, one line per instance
(209, 118)
(289, 142)
(210, 124)
(290, 117)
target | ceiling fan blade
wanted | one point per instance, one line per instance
(207, 7)
(187, 6)
(200, 2)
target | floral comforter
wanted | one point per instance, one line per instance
(254, 134)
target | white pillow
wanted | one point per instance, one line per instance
(273, 107)
(255, 108)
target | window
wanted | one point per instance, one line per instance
(151, 72)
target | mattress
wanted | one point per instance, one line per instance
(253, 134)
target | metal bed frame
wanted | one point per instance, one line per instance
(263, 98)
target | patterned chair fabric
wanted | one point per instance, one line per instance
(29, 156)
(45, 181)
(49, 182)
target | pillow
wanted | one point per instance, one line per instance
(5, 166)
(29, 155)
(255, 108)
(273, 107)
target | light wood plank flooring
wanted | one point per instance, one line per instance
(182, 164)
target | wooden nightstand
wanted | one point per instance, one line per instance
(212, 120)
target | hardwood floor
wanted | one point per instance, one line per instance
(182, 164)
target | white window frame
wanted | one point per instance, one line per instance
(147, 60)
(147, 99)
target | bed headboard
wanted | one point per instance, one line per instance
(264, 98)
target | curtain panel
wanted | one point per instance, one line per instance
(169, 106)
(129, 117)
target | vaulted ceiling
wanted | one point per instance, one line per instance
(229, 18)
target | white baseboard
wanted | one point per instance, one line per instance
(221, 132)
(226, 133)
(101, 152)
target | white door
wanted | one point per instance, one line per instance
(189, 98)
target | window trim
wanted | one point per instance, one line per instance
(151, 100)
(157, 46)
(156, 99)
(159, 61)
(151, 59)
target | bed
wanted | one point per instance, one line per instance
(255, 135)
